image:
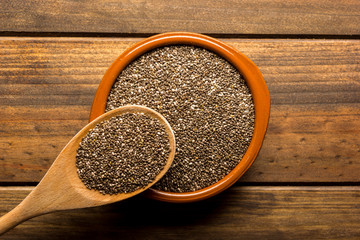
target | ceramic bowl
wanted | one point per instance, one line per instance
(244, 65)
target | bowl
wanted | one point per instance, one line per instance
(244, 65)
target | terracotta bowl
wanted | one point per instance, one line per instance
(247, 68)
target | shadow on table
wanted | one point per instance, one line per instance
(135, 218)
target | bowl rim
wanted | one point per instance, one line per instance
(244, 65)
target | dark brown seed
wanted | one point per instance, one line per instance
(207, 103)
(118, 155)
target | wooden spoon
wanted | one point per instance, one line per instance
(62, 189)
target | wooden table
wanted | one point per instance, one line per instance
(304, 183)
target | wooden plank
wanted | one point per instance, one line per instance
(306, 144)
(204, 16)
(249, 212)
(47, 86)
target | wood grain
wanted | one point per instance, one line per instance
(314, 17)
(47, 86)
(249, 212)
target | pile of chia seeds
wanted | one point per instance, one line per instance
(205, 100)
(122, 154)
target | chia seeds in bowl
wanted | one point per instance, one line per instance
(206, 101)
(219, 108)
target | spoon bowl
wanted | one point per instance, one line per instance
(61, 188)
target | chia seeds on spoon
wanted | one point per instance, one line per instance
(205, 100)
(123, 154)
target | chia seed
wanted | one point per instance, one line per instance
(122, 154)
(205, 100)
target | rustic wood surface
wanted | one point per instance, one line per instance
(47, 86)
(248, 212)
(305, 183)
(314, 17)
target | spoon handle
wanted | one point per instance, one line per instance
(48, 196)
(19, 214)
